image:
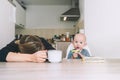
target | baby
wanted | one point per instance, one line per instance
(79, 42)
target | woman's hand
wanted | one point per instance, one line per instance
(39, 56)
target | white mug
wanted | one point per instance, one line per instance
(54, 56)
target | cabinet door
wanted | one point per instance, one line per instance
(20, 14)
(62, 46)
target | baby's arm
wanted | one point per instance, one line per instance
(75, 53)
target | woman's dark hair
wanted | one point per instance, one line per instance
(30, 44)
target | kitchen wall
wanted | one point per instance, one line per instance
(47, 33)
(80, 23)
(45, 21)
(102, 27)
(46, 17)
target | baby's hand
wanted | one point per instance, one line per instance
(75, 55)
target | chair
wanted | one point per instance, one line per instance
(70, 47)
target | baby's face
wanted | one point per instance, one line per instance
(79, 42)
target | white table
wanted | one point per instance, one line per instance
(66, 70)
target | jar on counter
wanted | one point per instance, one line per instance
(62, 37)
(67, 39)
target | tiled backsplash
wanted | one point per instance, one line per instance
(46, 33)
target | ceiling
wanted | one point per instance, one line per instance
(46, 2)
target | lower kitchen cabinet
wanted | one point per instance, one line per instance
(62, 46)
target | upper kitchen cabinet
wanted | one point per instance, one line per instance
(20, 15)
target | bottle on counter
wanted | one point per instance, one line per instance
(62, 37)
(67, 39)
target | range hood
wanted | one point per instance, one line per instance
(72, 14)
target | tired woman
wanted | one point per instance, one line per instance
(29, 48)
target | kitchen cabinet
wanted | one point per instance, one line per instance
(20, 14)
(62, 45)
(7, 26)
